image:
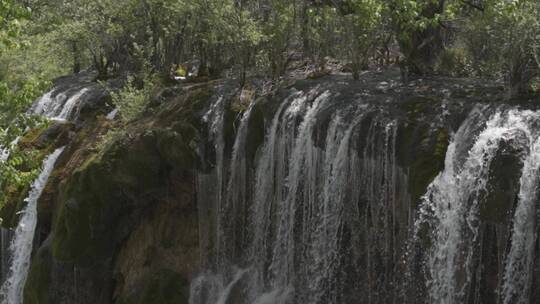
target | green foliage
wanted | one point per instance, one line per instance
(11, 15)
(131, 100)
(20, 168)
(14, 122)
(362, 28)
(14, 101)
(504, 38)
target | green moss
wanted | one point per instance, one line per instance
(128, 175)
(174, 145)
(418, 148)
(32, 136)
(36, 290)
(428, 163)
(73, 240)
(165, 287)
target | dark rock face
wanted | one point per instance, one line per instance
(123, 223)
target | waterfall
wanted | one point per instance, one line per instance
(210, 199)
(519, 264)
(451, 205)
(21, 245)
(287, 221)
(323, 213)
(237, 192)
(59, 106)
(71, 106)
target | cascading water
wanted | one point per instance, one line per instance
(291, 218)
(210, 198)
(451, 206)
(59, 106)
(322, 212)
(21, 245)
(519, 264)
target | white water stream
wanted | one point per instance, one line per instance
(453, 201)
(21, 245)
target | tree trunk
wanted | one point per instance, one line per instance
(76, 57)
(422, 47)
(522, 71)
(304, 30)
(102, 65)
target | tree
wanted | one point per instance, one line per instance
(362, 27)
(11, 14)
(505, 35)
(14, 100)
(419, 31)
(517, 27)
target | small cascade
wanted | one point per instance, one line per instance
(112, 114)
(21, 245)
(71, 107)
(58, 106)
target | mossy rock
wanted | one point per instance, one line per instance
(160, 287)
(99, 193)
(46, 135)
(177, 145)
(113, 186)
(36, 290)
(420, 148)
(499, 201)
(428, 163)
(256, 127)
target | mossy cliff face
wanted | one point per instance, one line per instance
(118, 220)
(118, 223)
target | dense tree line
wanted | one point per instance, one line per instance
(40, 39)
(261, 37)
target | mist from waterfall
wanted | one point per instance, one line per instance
(21, 245)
